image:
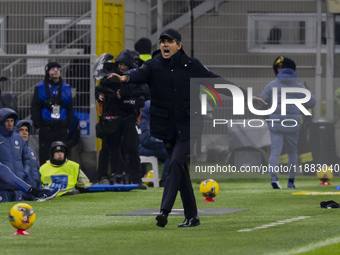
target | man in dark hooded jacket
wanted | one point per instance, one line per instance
(121, 105)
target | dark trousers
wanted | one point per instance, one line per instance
(103, 159)
(178, 178)
(124, 140)
(47, 135)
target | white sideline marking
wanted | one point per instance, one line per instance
(310, 247)
(280, 222)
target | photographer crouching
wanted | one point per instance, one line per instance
(117, 124)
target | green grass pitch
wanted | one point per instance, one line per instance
(79, 225)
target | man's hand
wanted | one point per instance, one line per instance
(118, 94)
(118, 78)
(101, 96)
(259, 101)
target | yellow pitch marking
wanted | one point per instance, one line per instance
(316, 193)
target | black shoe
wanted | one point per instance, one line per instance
(192, 222)
(162, 220)
(141, 186)
(47, 194)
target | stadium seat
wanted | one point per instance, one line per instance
(154, 162)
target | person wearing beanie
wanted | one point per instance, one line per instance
(283, 62)
(287, 134)
(51, 109)
(143, 46)
(15, 163)
(61, 173)
(168, 74)
(23, 128)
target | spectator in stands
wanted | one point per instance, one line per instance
(275, 35)
(8, 99)
(15, 162)
(51, 109)
(2, 78)
(289, 133)
(121, 107)
(151, 146)
(61, 173)
(143, 47)
(168, 74)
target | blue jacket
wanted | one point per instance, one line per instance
(34, 176)
(149, 145)
(13, 149)
(285, 78)
(41, 105)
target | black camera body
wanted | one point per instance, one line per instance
(116, 179)
(50, 102)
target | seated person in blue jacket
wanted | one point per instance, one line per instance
(151, 146)
(15, 163)
(23, 127)
(61, 173)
